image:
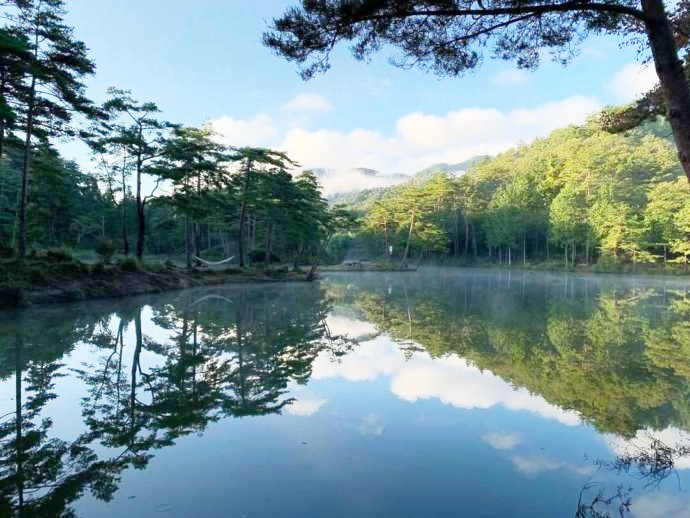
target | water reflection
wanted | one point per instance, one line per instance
(209, 357)
(549, 381)
(617, 354)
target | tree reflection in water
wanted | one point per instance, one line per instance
(616, 354)
(160, 368)
(225, 357)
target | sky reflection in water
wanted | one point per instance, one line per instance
(446, 392)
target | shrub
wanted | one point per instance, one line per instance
(54, 255)
(607, 263)
(129, 264)
(105, 249)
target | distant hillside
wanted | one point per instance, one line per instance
(360, 199)
(451, 169)
(338, 181)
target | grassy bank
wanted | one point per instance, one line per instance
(51, 277)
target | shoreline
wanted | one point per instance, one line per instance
(43, 284)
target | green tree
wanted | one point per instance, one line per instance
(250, 163)
(191, 160)
(134, 130)
(53, 91)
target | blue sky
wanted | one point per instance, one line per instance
(203, 61)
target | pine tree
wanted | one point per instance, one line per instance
(134, 131)
(52, 92)
(250, 162)
(191, 160)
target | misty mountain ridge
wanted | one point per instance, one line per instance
(347, 185)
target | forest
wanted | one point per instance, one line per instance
(585, 195)
(205, 199)
(581, 196)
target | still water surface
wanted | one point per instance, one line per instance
(445, 392)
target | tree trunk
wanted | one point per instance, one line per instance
(403, 263)
(467, 237)
(565, 254)
(386, 240)
(141, 223)
(125, 237)
(26, 164)
(474, 242)
(243, 214)
(196, 238)
(547, 248)
(267, 247)
(240, 237)
(187, 244)
(574, 254)
(669, 68)
(196, 226)
(18, 425)
(141, 229)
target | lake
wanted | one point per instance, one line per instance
(445, 392)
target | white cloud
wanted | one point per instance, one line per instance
(307, 102)
(419, 140)
(367, 362)
(338, 150)
(340, 325)
(451, 380)
(346, 180)
(455, 382)
(660, 505)
(531, 466)
(422, 139)
(306, 403)
(632, 81)
(259, 130)
(501, 441)
(371, 425)
(511, 77)
(305, 407)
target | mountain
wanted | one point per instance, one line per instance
(361, 187)
(450, 169)
(339, 181)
